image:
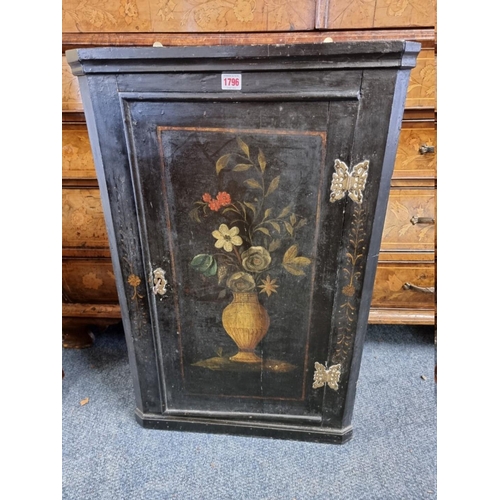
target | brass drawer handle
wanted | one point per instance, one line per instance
(159, 282)
(422, 220)
(423, 289)
(424, 149)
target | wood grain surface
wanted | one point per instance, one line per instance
(349, 14)
(388, 289)
(77, 160)
(83, 219)
(89, 281)
(400, 234)
(187, 16)
(411, 162)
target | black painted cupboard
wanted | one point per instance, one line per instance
(245, 190)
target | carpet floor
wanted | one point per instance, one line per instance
(106, 454)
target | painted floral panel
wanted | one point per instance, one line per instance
(242, 211)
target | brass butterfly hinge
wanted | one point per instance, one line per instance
(159, 281)
(353, 183)
(324, 375)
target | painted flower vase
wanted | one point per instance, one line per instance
(246, 321)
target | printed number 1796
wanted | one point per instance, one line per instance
(231, 82)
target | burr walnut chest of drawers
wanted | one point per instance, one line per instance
(405, 278)
(244, 191)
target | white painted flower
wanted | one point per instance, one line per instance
(226, 238)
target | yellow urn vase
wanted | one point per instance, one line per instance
(246, 322)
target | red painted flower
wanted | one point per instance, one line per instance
(224, 198)
(206, 198)
(214, 205)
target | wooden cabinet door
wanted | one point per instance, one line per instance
(233, 202)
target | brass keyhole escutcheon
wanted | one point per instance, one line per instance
(159, 282)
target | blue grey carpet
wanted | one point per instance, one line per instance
(107, 455)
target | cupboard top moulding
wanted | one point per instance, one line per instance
(244, 190)
(204, 16)
(356, 55)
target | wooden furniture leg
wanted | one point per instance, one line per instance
(76, 334)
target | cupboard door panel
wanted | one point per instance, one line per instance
(236, 224)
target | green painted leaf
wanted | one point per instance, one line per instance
(264, 230)
(301, 223)
(253, 183)
(273, 186)
(267, 213)
(285, 211)
(293, 264)
(274, 245)
(230, 209)
(194, 215)
(251, 206)
(295, 270)
(262, 160)
(212, 270)
(222, 162)
(244, 147)
(290, 254)
(301, 261)
(241, 167)
(276, 226)
(202, 262)
(289, 228)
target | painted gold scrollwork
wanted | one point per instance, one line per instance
(134, 281)
(351, 272)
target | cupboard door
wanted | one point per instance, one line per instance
(233, 209)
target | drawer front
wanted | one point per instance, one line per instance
(414, 158)
(71, 98)
(422, 86)
(83, 224)
(187, 16)
(89, 281)
(344, 14)
(390, 290)
(77, 161)
(410, 221)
